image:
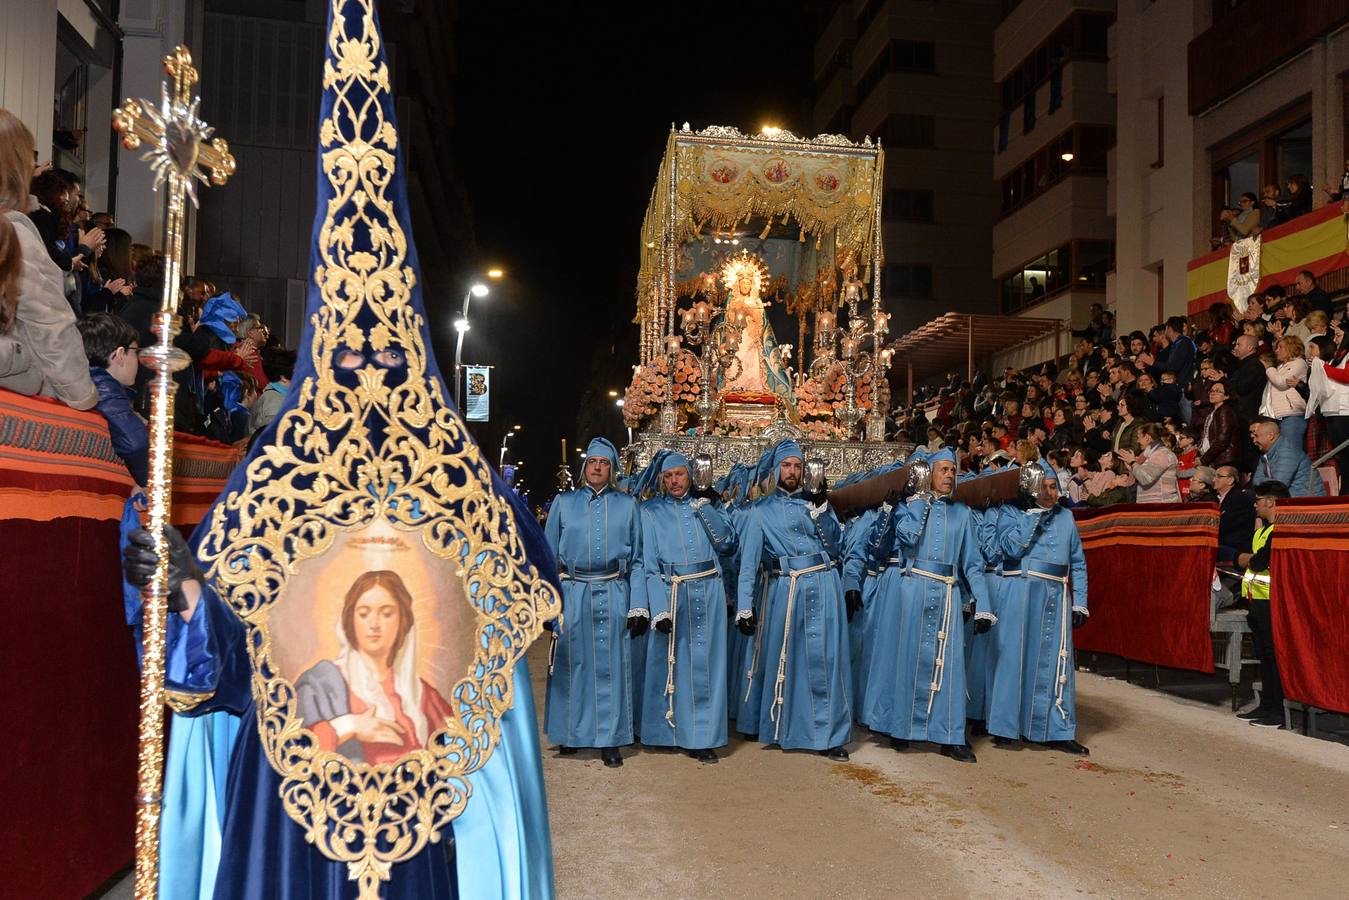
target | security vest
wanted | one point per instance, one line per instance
(1255, 585)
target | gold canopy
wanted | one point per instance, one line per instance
(718, 178)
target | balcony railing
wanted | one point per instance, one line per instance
(1253, 39)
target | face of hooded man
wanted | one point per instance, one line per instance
(789, 473)
(943, 477)
(597, 470)
(676, 482)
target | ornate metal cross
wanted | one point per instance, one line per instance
(180, 152)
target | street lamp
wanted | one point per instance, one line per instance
(461, 325)
(620, 403)
(501, 460)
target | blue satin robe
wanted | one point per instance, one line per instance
(945, 539)
(738, 645)
(881, 596)
(1035, 620)
(678, 540)
(858, 575)
(589, 701)
(816, 708)
(980, 648)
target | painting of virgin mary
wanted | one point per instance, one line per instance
(369, 703)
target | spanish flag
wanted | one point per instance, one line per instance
(1317, 242)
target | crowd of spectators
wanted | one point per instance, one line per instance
(78, 296)
(1155, 417)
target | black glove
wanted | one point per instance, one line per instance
(550, 625)
(818, 497)
(892, 499)
(746, 625)
(982, 625)
(707, 493)
(139, 562)
(664, 625)
(966, 612)
(637, 625)
(1079, 619)
(853, 601)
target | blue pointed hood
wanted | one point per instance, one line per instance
(220, 313)
(767, 468)
(367, 454)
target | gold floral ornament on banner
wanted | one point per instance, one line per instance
(372, 456)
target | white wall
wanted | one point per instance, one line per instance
(1156, 209)
(152, 29)
(28, 65)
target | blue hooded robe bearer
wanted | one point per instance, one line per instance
(596, 537)
(224, 832)
(684, 697)
(1044, 581)
(734, 489)
(939, 544)
(800, 669)
(980, 648)
(881, 599)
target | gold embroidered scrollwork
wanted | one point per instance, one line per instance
(350, 455)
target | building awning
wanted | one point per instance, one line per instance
(956, 340)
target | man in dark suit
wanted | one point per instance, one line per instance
(1247, 379)
(1236, 514)
(1312, 293)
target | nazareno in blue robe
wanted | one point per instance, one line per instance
(1040, 552)
(858, 575)
(596, 536)
(802, 676)
(224, 832)
(980, 648)
(681, 548)
(939, 539)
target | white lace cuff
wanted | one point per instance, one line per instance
(744, 614)
(663, 617)
(699, 502)
(817, 511)
(634, 613)
(986, 617)
(1083, 610)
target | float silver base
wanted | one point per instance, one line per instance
(840, 457)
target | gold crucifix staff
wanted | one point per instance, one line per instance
(179, 154)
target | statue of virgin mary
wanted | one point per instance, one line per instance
(756, 375)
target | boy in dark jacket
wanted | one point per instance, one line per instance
(111, 346)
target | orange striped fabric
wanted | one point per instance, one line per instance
(1313, 523)
(57, 462)
(1149, 525)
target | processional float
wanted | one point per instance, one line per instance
(738, 225)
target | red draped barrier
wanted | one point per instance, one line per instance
(70, 767)
(1309, 596)
(1149, 571)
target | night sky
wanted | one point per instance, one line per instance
(563, 113)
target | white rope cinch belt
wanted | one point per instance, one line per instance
(758, 633)
(775, 711)
(587, 579)
(675, 582)
(939, 667)
(1061, 670)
